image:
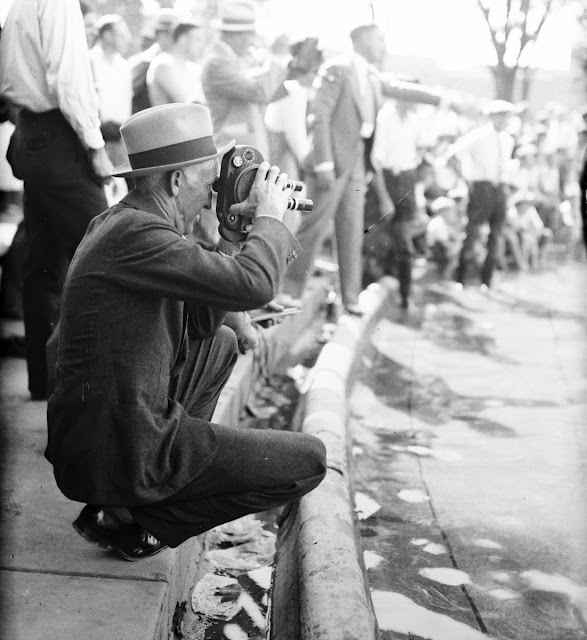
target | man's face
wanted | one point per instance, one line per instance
(120, 37)
(195, 44)
(90, 23)
(500, 121)
(372, 46)
(195, 194)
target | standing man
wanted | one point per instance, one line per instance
(175, 76)
(57, 149)
(112, 76)
(396, 153)
(238, 93)
(482, 156)
(145, 351)
(343, 112)
(163, 27)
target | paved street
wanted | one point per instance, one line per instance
(470, 455)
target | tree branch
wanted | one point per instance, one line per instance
(531, 37)
(485, 11)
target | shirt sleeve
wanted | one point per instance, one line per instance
(69, 72)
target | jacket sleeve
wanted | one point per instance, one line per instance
(152, 258)
(219, 76)
(327, 89)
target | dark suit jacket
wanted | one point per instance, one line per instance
(115, 435)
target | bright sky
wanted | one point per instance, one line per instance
(452, 31)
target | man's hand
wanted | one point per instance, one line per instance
(246, 334)
(101, 166)
(268, 196)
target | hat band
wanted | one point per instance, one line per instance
(236, 21)
(173, 153)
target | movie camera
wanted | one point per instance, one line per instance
(237, 173)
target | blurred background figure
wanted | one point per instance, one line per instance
(237, 90)
(12, 233)
(482, 156)
(343, 113)
(161, 31)
(90, 21)
(444, 236)
(57, 149)
(176, 75)
(286, 115)
(112, 76)
(396, 154)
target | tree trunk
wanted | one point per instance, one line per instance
(505, 81)
(527, 81)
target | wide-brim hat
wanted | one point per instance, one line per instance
(499, 107)
(236, 15)
(167, 137)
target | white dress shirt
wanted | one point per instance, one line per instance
(396, 140)
(485, 154)
(45, 64)
(113, 79)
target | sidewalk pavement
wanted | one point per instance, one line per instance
(53, 584)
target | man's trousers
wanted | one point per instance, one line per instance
(487, 203)
(60, 199)
(254, 470)
(344, 202)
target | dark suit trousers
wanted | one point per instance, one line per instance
(60, 199)
(487, 203)
(254, 470)
(344, 202)
(401, 189)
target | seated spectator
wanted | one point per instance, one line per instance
(149, 329)
(531, 230)
(443, 236)
(175, 76)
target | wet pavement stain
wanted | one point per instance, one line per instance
(429, 398)
(499, 599)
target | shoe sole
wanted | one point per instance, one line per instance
(88, 537)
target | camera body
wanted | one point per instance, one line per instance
(237, 174)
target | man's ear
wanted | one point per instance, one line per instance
(174, 180)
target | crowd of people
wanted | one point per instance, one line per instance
(397, 172)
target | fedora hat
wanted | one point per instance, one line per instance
(236, 15)
(166, 137)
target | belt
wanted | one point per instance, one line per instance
(493, 183)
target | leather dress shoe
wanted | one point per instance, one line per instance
(128, 540)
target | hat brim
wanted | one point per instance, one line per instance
(126, 171)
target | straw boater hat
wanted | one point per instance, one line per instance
(236, 15)
(498, 107)
(168, 137)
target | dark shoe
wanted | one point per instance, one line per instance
(130, 541)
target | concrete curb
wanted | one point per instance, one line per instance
(325, 570)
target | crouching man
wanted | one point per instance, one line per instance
(144, 351)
